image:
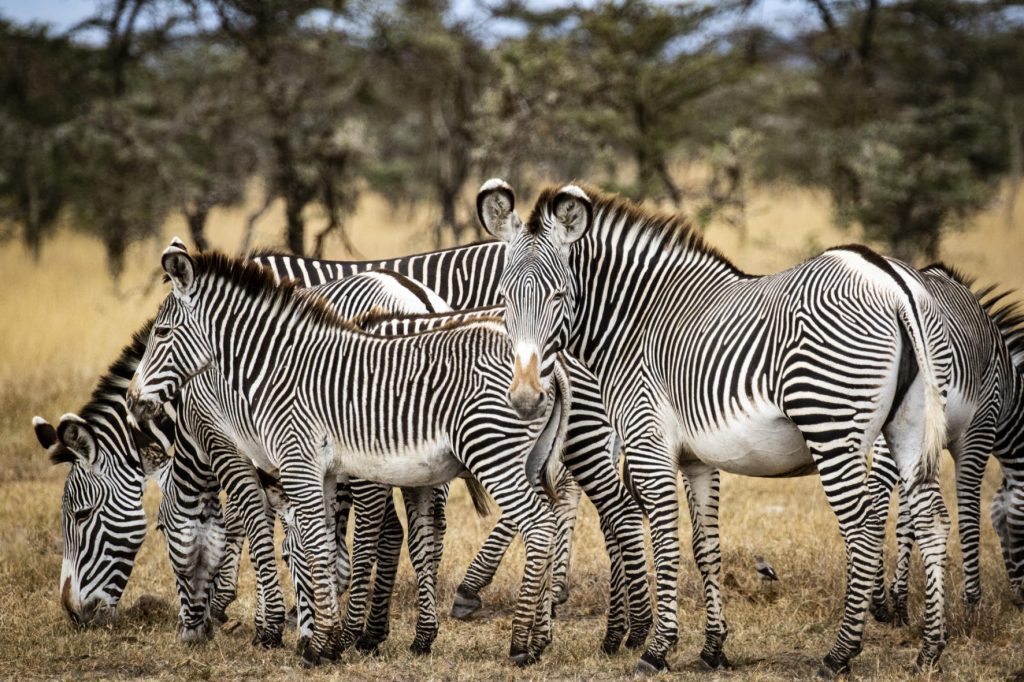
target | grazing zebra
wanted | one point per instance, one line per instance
(102, 520)
(467, 278)
(704, 368)
(985, 414)
(591, 457)
(326, 398)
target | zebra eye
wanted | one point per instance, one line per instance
(558, 295)
(162, 332)
(81, 515)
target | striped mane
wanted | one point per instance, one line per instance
(615, 208)
(111, 387)
(258, 282)
(1008, 315)
(378, 316)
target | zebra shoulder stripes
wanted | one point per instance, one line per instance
(704, 367)
(412, 411)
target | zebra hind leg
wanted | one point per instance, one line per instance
(372, 503)
(389, 549)
(565, 512)
(420, 510)
(970, 454)
(225, 583)
(882, 480)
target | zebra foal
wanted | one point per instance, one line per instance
(704, 368)
(326, 398)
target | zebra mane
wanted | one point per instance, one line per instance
(377, 316)
(1008, 315)
(111, 386)
(267, 252)
(677, 226)
(258, 282)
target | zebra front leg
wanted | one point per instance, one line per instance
(389, 549)
(247, 500)
(342, 507)
(304, 485)
(1008, 521)
(882, 479)
(653, 472)
(481, 570)
(623, 529)
(372, 502)
(566, 506)
(701, 483)
(225, 583)
(419, 508)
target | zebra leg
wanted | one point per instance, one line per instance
(303, 483)
(225, 583)
(246, 498)
(931, 527)
(531, 626)
(652, 469)
(420, 522)
(1008, 519)
(481, 570)
(904, 549)
(566, 506)
(596, 470)
(371, 502)
(439, 497)
(701, 483)
(389, 549)
(342, 506)
(842, 465)
(298, 569)
(970, 453)
(881, 481)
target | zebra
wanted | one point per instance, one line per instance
(985, 414)
(414, 411)
(103, 523)
(590, 456)
(466, 277)
(704, 367)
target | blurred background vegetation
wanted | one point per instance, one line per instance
(906, 115)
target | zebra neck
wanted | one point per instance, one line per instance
(620, 270)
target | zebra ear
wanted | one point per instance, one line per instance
(74, 433)
(496, 209)
(45, 433)
(180, 267)
(574, 213)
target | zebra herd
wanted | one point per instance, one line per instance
(596, 333)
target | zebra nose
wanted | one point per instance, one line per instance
(68, 602)
(528, 404)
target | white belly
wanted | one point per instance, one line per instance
(763, 442)
(425, 464)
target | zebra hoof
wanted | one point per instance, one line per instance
(523, 660)
(267, 639)
(972, 599)
(638, 636)
(715, 661)
(465, 604)
(368, 644)
(218, 617)
(611, 642)
(649, 666)
(561, 596)
(196, 635)
(880, 611)
(831, 670)
(421, 648)
(310, 658)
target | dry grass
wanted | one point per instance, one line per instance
(63, 324)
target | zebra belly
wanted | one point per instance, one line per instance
(765, 443)
(420, 464)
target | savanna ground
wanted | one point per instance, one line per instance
(63, 323)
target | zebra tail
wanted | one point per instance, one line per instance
(481, 500)
(554, 464)
(934, 402)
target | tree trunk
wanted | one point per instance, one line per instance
(114, 245)
(295, 228)
(250, 223)
(674, 193)
(196, 219)
(1016, 162)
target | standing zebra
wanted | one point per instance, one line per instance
(985, 414)
(704, 368)
(413, 411)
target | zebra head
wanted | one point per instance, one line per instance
(102, 520)
(536, 285)
(173, 356)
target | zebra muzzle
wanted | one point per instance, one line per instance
(525, 393)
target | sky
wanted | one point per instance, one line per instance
(783, 15)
